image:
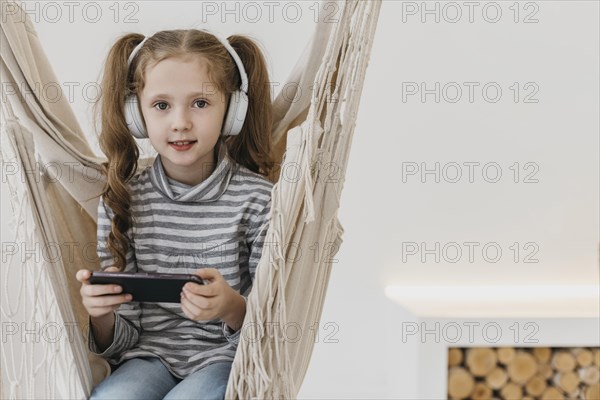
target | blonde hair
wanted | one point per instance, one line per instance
(251, 148)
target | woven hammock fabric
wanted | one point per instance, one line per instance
(52, 179)
(304, 214)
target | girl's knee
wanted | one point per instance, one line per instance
(137, 378)
(104, 394)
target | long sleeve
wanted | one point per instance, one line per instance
(255, 239)
(127, 315)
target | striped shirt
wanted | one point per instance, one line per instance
(177, 228)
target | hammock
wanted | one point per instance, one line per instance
(51, 175)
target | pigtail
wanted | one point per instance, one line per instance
(252, 147)
(118, 144)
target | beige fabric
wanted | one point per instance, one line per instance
(60, 212)
(290, 286)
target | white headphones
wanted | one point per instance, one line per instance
(236, 112)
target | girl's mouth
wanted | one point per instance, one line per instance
(182, 145)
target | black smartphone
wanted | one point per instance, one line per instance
(147, 286)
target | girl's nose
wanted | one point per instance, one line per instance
(182, 121)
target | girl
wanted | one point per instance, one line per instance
(203, 207)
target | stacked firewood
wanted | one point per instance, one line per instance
(545, 373)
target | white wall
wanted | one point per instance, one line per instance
(559, 134)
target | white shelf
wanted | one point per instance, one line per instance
(498, 301)
(488, 316)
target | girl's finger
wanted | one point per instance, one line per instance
(101, 289)
(209, 274)
(198, 289)
(82, 276)
(108, 301)
(190, 305)
(202, 302)
(186, 310)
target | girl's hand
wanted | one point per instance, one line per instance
(215, 299)
(96, 298)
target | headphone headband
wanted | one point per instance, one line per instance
(135, 50)
(238, 62)
(224, 42)
(236, 110)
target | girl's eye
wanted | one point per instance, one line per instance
(200, 103)
(160, 108)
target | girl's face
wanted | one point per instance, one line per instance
(181, 104)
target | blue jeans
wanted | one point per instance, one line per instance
(147, 378)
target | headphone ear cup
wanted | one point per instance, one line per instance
(236, 114)
(133, 117)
